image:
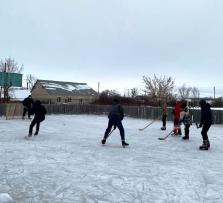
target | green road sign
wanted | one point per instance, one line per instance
(10, 79)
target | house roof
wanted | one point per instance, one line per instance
(19, 93)
(66, 88)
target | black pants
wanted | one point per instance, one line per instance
(25, 109)
(34, 122)
(204, 131)
(186, 130)
(118, 123)
(164, 120)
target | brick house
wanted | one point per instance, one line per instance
(58, 92)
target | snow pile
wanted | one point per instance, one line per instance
(66, 163)
(5, 198)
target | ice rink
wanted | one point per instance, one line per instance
(66, 163)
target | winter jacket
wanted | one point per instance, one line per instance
(39, 111)
(185, 117)
(27, 102)
(206, 115)
(164, 110)
(177, 110)
(116, 112)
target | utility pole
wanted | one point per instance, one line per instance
(98, 87)
(214, 92)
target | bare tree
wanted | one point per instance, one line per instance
(195, 92)
(30, 80)
(134, 92)
(184, 91)
(11, 66)
(160, 88)
(110, 93)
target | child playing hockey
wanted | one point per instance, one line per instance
(185, 118)
(164, 115)
(176, 112)
(39, 111)
(27, 105)
(115, 116)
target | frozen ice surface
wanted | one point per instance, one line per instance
(66, 163)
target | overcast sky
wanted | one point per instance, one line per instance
(115, 42)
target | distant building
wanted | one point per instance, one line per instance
(53, 92)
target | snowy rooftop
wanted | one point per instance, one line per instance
(66, 163)
(58, 87)
(19, 93)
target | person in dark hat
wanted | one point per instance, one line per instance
(39, 112)
(115, 116)
(205, 123)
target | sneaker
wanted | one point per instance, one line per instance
(103, 141)
(124, 144)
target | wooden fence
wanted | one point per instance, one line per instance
(144, 112)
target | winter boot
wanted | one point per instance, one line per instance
(36, 133)
(179, 132)
(30, 135)
(124, 144)
(205, 145)
(186, 137)
(103, 141)
(163, 128)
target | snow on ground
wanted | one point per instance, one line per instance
(66, 163)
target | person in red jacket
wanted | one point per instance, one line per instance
(176, 112)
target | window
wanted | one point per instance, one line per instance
(58, 99)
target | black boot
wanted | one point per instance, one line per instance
(36, 133)
(124, 144)
(163, 128)
(103, 141)
(205, 145)
(186, 137)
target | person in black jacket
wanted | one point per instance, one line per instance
(27, 104)
(115, 116)
(39, 111)
(164, 116)
(205, 123)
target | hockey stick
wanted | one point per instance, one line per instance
(147, 125)
(163, 138)
(111, 131)
(197, 125)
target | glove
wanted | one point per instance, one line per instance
(200, 125)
